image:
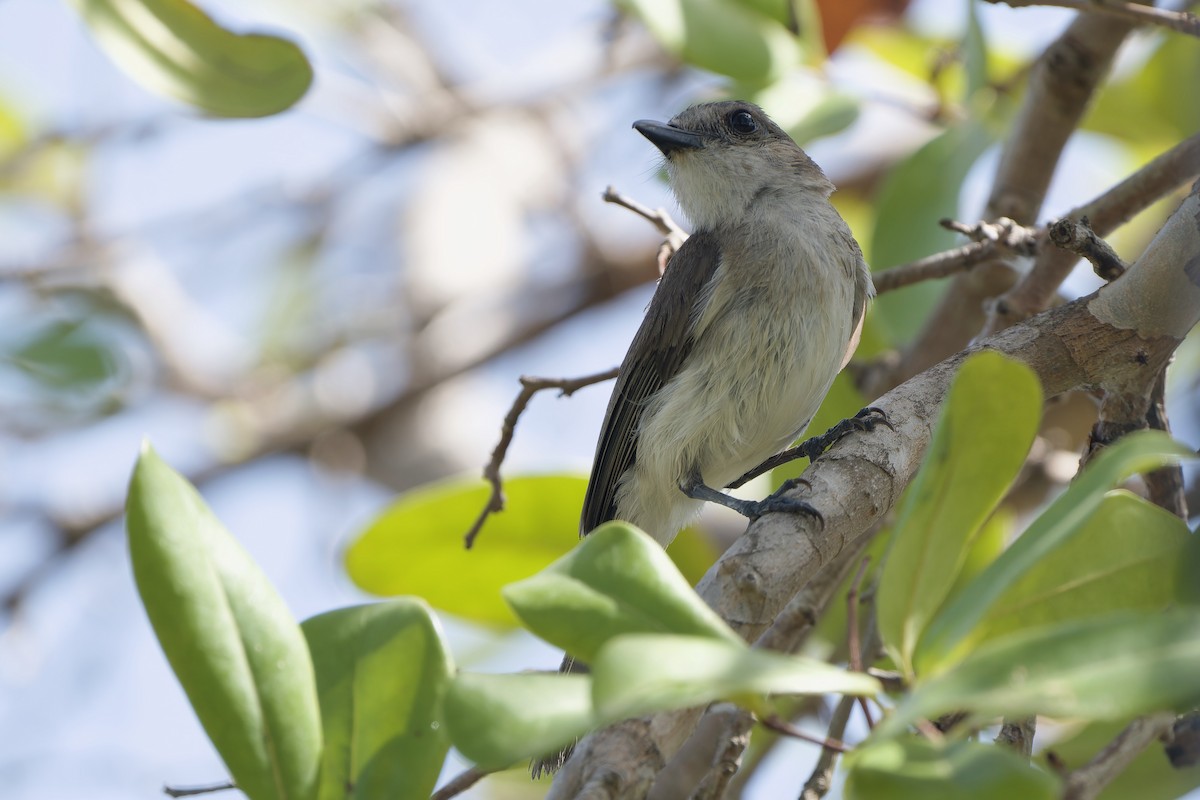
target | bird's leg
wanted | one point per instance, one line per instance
(695, 487)
(866, 420)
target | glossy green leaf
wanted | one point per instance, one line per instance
(172, 47)
(498, 720)
(415, 547)
(234, 647)
(721, 36)
(1122, 558)
(947, 637)
(915, 769)
(382, 670)
(987, 424)
(1108, 667)
(617, 581)
(696, 670)
(906, 230)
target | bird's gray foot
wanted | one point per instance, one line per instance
(695, 488)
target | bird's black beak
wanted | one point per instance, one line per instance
(668, 138)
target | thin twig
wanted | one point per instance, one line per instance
(821, 779)
(1105, 213)
(1077, 236)
(192, 791)
(675, 235)
(459, 784)
(491, 472)
(1180, 21)
(855, 645)
(991, 239)
(779, 725)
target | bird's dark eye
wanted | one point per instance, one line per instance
(742, 122)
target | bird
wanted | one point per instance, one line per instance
(753, 318)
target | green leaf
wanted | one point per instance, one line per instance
(498, 720)
(617, 581)
(915, 769)
(232, 643)
(1122, 558)
(696, 670)
(721, 36)
(1108, 667)
(975, 52)
(65, 355)
(906, 230)
(987, 424)
(946, 639)
(382, 670)
(415, 547)
(172, 47)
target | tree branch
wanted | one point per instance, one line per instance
(1123, 333)
(1180, 21)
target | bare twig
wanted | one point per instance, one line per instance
(990, 241)
(855, 645)
(1017, 734)
(1180, 21)
(1174, 168)
(459, 784)
(675, 235)
(821, 779)
(193, 791)
(1088, 781)
(491, 472)
(788, 729)
(1078, 237)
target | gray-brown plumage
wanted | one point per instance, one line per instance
(754, 317)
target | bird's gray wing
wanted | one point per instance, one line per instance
(654, 357)
(864, 290)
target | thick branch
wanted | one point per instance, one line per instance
(1180, 21)
(1123, 334)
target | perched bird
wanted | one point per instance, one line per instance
(754, 316)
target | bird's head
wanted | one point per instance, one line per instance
(722, 157)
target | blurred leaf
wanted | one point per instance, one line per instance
(975, 52)
(1149, 777)
(947, 638)
(915, 769)
(1145, 106)
(617, 581)
(172, 47)
(906, 230)
(498, 720)
(697, 670)
(987, 424)
(415, 547)
(382, 670)
(721, 36)
(1121, 558)
(1108, 667)
(232, 643)
(65, 355)
(804, 107)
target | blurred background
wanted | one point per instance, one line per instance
(309, 313)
